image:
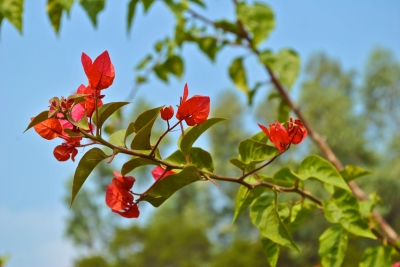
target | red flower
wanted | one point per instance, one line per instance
(101, 72)
(167, 113)
(282, 137)
(65, 152)
(119, 197)
(89, 104)
(49, 129)
(194, 110)
(158, 171)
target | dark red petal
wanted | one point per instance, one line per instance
(131, 212)
(167, 113)
(185, 92)
(61, 153)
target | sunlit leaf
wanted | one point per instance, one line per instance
(264, 215)
(82, 123)
(176, 158)
(244, 198)
(352, 172)
(92, 8)
(193, 133)
(86, 165)
(343, 208)
(271, 250)
(165, 188)
(316, 167)
(332, 246)
(258, 19)
(174, 65)
(238, 74)
(300, 213)
(12, 10)
(105, 111)
(134, 163)
(377, 256)
(201, 159)
(209, 46)
(118, 138)
(141, 141)
(252, 152)
(131, 12)
(42, 116)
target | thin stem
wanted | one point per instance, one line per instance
(162, 136)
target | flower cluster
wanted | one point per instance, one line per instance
(193, 111)
(282, 137)
(119, 197)
(66, 113)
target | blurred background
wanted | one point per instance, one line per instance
(349, 89)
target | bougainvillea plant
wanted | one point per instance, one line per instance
(81, 116)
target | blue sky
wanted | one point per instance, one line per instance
(38, 65)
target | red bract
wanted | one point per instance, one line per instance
(119, 197)
(89, 103)
(158, 171)
(282, 137)
(194, 110)
(101, 72)
(49, 129)
(297, 132)
(167, 113)
(64, 152)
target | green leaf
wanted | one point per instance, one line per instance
(136, 162)
(264, 215)
(88, 162)
(42, 116)
(129, 130)
(252, 152)
(166, 187)
(287, 66)
(54, 11)
(161, 71)
(201, 159)
(259, 19)
(92, 8)
(105, 111)
(244, 198)
(260, 137)
(177, 158)
(131, 12)
(118, 138)
(332, 246)
(300, 212)
(147, 4)
(271, 250)
(316, 167)
(238, 74)
(78, 98)
(174, 65)
(143, 63)
(228, 26)
(208, 45)
(194, 132)
(12, 10)
(238, 163)
(343, 208)
(141, 141)
(82, 123)
(352, 172)
(377, 256)
(284, 177)
(144, 118)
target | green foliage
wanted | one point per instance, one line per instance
(264, 215)
(194, 132)
(259, 19)
(55, 9)
(82, 123)
(343, 208)
(93, 8)
(165, 188)
(209, 46)
(377, 256)
(42, 116)
(237, 73)
(105, 111)
(316, 167)
(271, 250)
(333, 245)
(134, 163)
(88, 162)
(143, 126)
(131, 12)
(201, 159)
(352, 172)
(12, 11)
(118, 138)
